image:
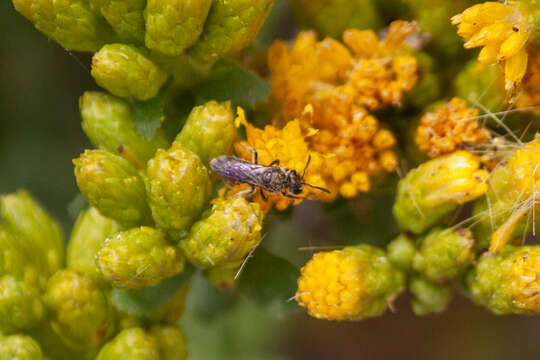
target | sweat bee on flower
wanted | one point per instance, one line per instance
(272, 178)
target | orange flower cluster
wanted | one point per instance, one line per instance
(529, 99)
(449, 127)
(289, 146)
(338, 83)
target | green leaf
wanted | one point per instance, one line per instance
(146, 300)
(149, 115)
(270, 280)
(230, 81)
(75, 206)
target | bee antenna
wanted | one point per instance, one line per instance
(318, 187)
(307, 164)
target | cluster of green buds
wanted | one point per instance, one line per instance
(138, 44)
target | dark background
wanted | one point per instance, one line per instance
(39, 135)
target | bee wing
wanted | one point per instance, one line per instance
(236, 170)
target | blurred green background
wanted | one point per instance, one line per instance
(39, 135)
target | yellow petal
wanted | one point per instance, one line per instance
(488, 54)
(512, 45)
(514, 69)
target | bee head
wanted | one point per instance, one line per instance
(296, 183)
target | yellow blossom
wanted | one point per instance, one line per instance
(449, 127)
(502, 30)
(338, 83)
(289, 146)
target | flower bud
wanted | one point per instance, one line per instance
(69, 22)
(444, 254)
(230, 27)
(401, 252)
(126, 71)
(20, 305)
(113, 186)
(174, 25)
(225, 234)
(331, 18)
(107, 121)
(429, 297)
(436, 188)
(81, 315)
(223, 277)
(171, 342)
(138, 257)
(507, 282)
(19, 347)
(209, 131)
(133, 343)
(14, 261)
(350, 284)
(38, 236)
(125, 17)
(504, 213)
(89, 232)
(178, 187)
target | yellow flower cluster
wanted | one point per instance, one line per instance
(289, 146)
(502, 29)
(449, 127)
(338, 83)
(331, 286)
(529, 98)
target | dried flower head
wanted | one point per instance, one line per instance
(449, 127)
(502, 30)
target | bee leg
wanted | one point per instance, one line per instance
(292, 196)
(262, 195)
(255, 158)
(247, 192)
(275, 162)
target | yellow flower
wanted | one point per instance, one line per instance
(349, 284)
(529, 98)
(337, 83)
(449, 127)
(289, 146)
(502, 30)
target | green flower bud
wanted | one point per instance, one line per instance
(209, 131)
(13, 261)
(333, 17)
(19, 347)
(132, 343)
(349, 284)
(231, 26)
(20, 305)
(429, 297)
(444, 254)
(401, 252)
(125, 17)
(87, 237)
(81, 314)
(178, 187)
(225, 234)
(507, 282)
(506, 210)
(108, 123)
(69, 22)
(174, 25)
(138, 257)
(126, 72)
(113, 186)
(436, 188)
(171, 342)
(38, 236)
(483, 83)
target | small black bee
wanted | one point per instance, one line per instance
(272, 178)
